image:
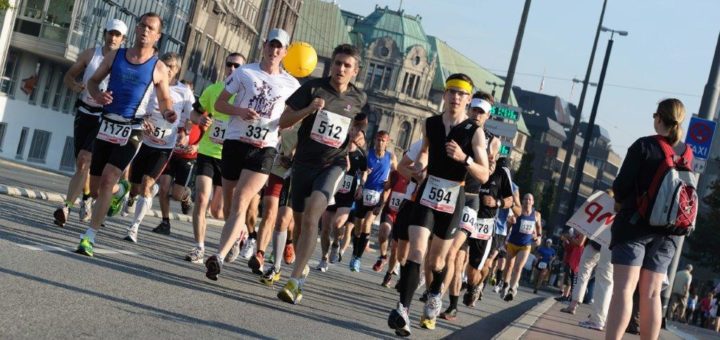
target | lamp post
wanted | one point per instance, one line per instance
(494, 85)
(554, 215)
(580, 165)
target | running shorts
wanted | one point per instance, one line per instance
(150, 161)
(180, 169)
(119, 156)
(85, 128)
(441, 224)
(307, 179)
(238, 156)
(274, 186)
(210, 167)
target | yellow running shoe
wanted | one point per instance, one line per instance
(270, 277)
(291, 293)
(427, 323)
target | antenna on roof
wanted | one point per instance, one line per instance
(400, 7)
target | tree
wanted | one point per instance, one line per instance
(548, 198)
(524, 175)
(705, 239)
(4, 4)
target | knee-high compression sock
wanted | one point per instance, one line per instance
(279, 239)
(253, 235)
(453, 301)
(410, 281)
(142, 207)
(499, 275)
(356, 245)
(362, 244)
(438, 278)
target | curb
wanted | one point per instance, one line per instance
(59, 198)
(521, 325)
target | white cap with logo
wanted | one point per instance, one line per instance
(116, 25)
(280, 35)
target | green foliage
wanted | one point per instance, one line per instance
(548, 198)
(523, 176)
(4, 4)
(705, 239)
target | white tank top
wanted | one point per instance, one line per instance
(89, 71)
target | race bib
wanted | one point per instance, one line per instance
(114, 132)
(217, 131)
(395, 199)
(346, 184)
(440, 194)
(468, 219)
(259, 133)
(371, 197)
(163, 131)
(542, 265)
(330, 128)
(483, 229)
(527, 227)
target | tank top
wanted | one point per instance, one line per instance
(472, 185)
(521, 233)
(398, 187)
(439, 164)
(379, 170)
(131, 85)
(85, 96)
(165, 134)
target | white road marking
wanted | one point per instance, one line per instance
(49, 248)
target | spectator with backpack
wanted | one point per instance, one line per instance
(655, 175)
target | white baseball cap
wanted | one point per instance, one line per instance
(280, 35)
(116, 25)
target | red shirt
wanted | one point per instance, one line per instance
(573, 253)
(398, 185)
(194, 139)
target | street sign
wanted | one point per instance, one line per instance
(499, 128)
(505, 149)
(506, 111)
(699, 137)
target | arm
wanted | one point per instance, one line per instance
(624, 184)
(479, 168)
(162, 88)
(223, 105)
(76, 69)
(517, 208)
(103, 70)
(538, 227)
(290, 117)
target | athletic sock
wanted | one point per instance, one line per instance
(85, 196)
(410, 281)
(499, 275)
(438, 278)
(253, 235)
(356, 245)
(90, 234)
(289, 239)
(362, 243)
(453, 301)
(166, 220)
(279, 239)
(142, 207)
(201, 245)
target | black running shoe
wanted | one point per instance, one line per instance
(386, 280)
(186, 206)
(213, 266)
(162, 228)
(450, 314)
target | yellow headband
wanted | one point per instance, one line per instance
(459, 84)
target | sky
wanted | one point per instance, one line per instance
(668, 52)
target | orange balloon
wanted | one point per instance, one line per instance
(300, 60)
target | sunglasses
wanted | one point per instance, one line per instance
(231, 64)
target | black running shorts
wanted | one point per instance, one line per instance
(210, 167)
(85, 128)
(180, 170)
(441, 224)
(150, 161)
(307, 179)
(400, 228)
(119, 156)
(285, 200)
(238, 156)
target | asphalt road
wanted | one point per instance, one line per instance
(146, 290)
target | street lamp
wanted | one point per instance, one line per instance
(494, 85)
(580, 164)
(578, 81)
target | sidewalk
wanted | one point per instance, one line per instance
(546, 321)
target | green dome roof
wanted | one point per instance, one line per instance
(405, 30)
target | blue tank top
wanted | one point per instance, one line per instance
(521, 233)
(131, 85)
(380, 171)
(501, 219)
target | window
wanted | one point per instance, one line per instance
(3, 128)
(404, 135)
(67, 162)
(378, 77)
(39, 146)
(21, 143)
(8, 80)
(410, 86)
(45, 19)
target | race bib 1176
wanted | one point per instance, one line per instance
(113, 132)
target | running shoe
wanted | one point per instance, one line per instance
(355, 265)
(118, 198)
(256, 263)
(379, 264)
(334, 253)
(498, 287)
(449, 314)
(291, 292)
(510, 295)
(128, 207)
(85, 247)
(568, 310)
(424, 296)
(85, 210)
(213, 266)
(196, 255)
(270, 277)
(248, 249)
(472, 295)
(162, 228)
(289, 256)
(186, 206)
(427, 323)
(306, 272)
(591, 325)
(386, 280)
(433, 306)
(270, 259)
(323, 266)
(61, 216)
(234, 253)
(132, 233)
(399, 320)
(493, 281)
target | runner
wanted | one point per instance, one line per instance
(326, 108)
(453, 143)
(375, 193)
(208, 180)
(133, 74)
(282, 235)
(157, 146)
(260, 91)
(499, 254)
(545, 255)
(397, 186)
(525, 231)
(336, 215)
(87, 119)
(271, 198)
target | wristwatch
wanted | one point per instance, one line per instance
(469, 160)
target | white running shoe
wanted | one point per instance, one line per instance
(234, 253)
(323, 266)
(128, 204)
(248, 248)
(196, 255)
(132, 233)
(85, 210)
(433, 306)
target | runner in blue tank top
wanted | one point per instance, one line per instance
(526, 229)
(133, 73)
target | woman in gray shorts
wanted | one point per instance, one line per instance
(641, 254)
